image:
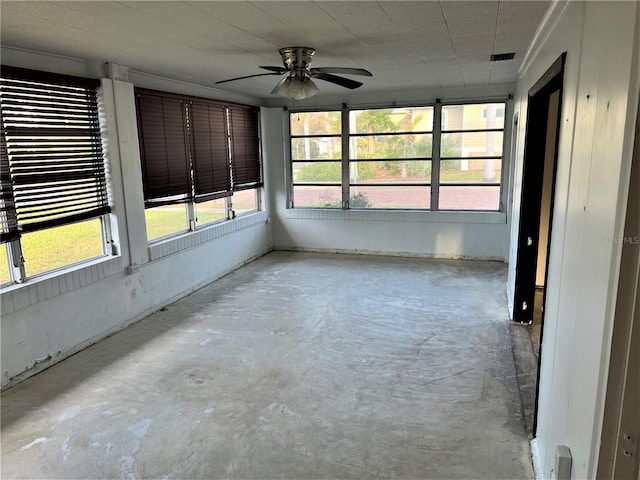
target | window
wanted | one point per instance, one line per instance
(53, 189)
(398, 158)
(197, 156)
(390, 157)
(471, 158)
(316, 159)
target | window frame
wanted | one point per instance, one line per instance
(408, 185)
(193, 198)
(340, 183)
(436, 159)
(85, 114)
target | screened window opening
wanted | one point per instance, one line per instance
(212, 211)
(53, 189)
(196, 152)
(316, 159)
(390, 158)
(165, 220)
(471, 157)
(436, 157)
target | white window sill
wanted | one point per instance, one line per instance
(58, 282)
(169, 246)
(418, 216)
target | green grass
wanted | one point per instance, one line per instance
(56, 248)
(63, 246)
(208, 216)
(163, 221)
(4, 266)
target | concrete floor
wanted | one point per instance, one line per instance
(295, 366)
(526, 350)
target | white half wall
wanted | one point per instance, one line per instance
(599, 107)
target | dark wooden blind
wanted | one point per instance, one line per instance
(8, 216)
(212, 177)
(164, 149)
(195, 149)
(245, 153)
(51, 151)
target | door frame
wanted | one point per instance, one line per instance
(531, 193)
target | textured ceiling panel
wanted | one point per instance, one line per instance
(405, 44)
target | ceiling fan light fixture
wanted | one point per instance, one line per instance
(297, 88)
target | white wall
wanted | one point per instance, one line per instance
(596, 137)
(428, 234)
(54, 315)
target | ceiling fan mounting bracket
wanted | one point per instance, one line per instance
(297, 59)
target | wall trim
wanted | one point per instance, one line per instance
(413, 216)
(546, 27)
(538, 470)
(384, 253)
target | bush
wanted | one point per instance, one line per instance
(320, 172)
(359, 200)
(450, 164)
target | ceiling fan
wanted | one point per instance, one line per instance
(298, 84)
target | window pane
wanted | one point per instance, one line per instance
(165, 220)
(316, 123)
(390, 146)
(310, 196)
(473, 116)
(390, 171)
(211, 211)
(469, 198)
(5, 276)
(390, 197)
(470, 171)
(476, 144)
(59, 247)
(412, 119)
(319, 148)
(245, 201)
(316, 172)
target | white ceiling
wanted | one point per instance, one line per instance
(405, 44)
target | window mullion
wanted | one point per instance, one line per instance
(287, 147)
(190, 147)
(345, 157)
(228, 126)
(109, 247)
(17, 270)
(435, 155)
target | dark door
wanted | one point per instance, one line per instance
(538, 183)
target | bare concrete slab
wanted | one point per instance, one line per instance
(296, 366)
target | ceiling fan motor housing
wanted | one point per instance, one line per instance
(297, 59)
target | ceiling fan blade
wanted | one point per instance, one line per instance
(343, 70)
(343, 82)
(275, 89)
(246, 76)
(279, 70)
